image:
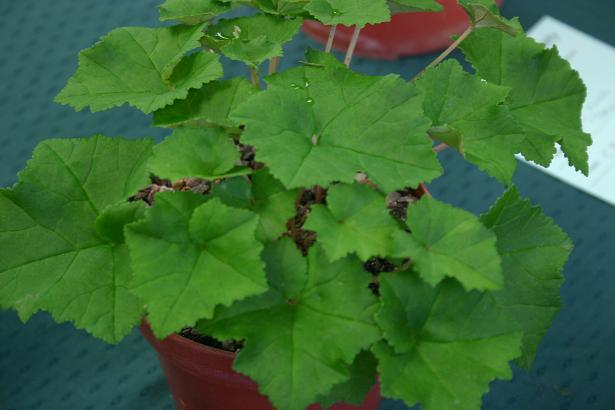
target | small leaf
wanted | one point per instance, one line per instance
(144, 67)
(292, 363)
(190, 255)
(274, 205)
(469, 115)
(54, 259)
(356, 219)
(235, 192)
(362, 380)
(411, 6)
(448, 241)
(349, 12)
(485, 14)
(206, 153)
(286, 268)
(534, 251)
(334, 123)
(265, 196)
(210, 104)
(546, 96)
(445, 345)
(252, 39)
(111, 221)
(192, 11)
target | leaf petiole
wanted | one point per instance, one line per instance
(446, 52)
(274, 63)
(254, 77)
(352, 46)
(331, 39)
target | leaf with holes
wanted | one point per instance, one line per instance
(144, 67)
(292, 363)
(191, 254)
(334, 123)
(355, 219)
(546, 95)
(470, 115)
(534, 251)
(53, 256)
(447, 241)
(444, 345)
(210, 104)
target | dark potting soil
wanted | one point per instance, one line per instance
(399, 201)
(232, 346)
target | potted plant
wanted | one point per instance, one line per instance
(285, 229)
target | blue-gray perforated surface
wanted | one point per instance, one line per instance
(54, 367)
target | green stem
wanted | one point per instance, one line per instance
(331, 39)
(274, 63)
(352, 46)
(254, 77)
(446, 52)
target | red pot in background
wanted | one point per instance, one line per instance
(406, 34)
(201, 378)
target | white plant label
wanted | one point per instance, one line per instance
(594, 60)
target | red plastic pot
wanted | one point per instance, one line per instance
(201, 378)
(406, 33)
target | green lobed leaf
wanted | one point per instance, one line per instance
(534, 250)
(144, 67)
(111, 220)
(445, 345)
(546, 95)
(334, 123)
(470, 115)
(54, 258)
(191, 254)
(235, 192)
(486, 14)
(206, 153)
(192, 11)
(349, 12)
(252, 39)
(409, 6)
(362, 380)
(290, 8)
(355, 219)
(302, 336)
(448, 241)
(274, 205)
(265, 196)
(210, 104)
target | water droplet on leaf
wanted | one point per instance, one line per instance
(309, 100)
(336, 12)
